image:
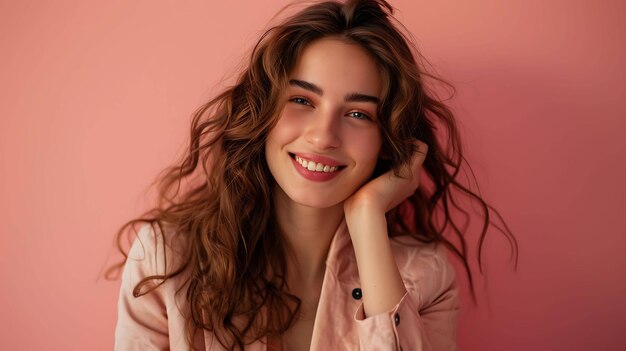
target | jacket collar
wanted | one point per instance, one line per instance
(341, 259)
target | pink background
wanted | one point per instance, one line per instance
(96, 99)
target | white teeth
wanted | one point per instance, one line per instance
(314, 166)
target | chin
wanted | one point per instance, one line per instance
(318, 201)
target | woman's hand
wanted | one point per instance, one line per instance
(365, 210)
(388, 190)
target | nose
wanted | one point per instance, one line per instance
(323, 131)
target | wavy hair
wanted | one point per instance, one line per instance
(219, 195)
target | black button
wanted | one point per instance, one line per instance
(397, 319)
(357, 294)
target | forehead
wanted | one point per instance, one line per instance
(338, 67)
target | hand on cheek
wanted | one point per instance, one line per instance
(387, 191)
(365, 210)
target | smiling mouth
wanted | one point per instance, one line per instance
(315, 166)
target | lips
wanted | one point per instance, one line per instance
(316, 168)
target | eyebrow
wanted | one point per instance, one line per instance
(350, 97)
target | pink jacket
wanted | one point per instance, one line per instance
(424, 319)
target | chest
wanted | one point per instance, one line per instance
(298, 336)
(329, 325)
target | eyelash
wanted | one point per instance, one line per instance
(303, 101)
(299, 98)
(365, 117)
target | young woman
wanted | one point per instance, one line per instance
(307, 220)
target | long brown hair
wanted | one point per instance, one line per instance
(233, 250)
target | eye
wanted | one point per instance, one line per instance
(300, 101)
(359, 115)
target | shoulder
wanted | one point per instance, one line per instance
(154, 252)
(151, 312)
(425, 268)
(155, 249)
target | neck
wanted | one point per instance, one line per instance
(308, 233)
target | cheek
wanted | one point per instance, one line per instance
(285, 129)
(368, 146)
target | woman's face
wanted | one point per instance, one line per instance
(326, 142)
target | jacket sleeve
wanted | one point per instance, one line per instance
(142, 322)
(424, 319)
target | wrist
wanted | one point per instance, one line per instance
(366, 223)
(362, 210)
